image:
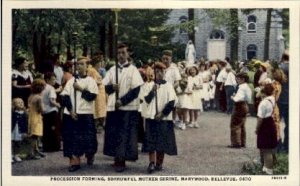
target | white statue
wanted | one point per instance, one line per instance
(190, 53)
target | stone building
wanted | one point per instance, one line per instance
(213, 42)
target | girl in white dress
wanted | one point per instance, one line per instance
(204, 74)
(196, 103)
(184, 91)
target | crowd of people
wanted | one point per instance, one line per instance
(65, 106)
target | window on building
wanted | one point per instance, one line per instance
(217, 35)
(251, 24)
(251, 51)
(182, 30)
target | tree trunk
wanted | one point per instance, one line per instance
(234, 36)
(85, 50)
(191, 18)
(14, 33)
(102, 36)
(43, 51)
(110, 40)
(69, 43)
(267, 34)
(59, 42)
(35, 51)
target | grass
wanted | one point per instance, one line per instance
(281, 167)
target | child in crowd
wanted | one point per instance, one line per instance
(51, 141)
(204, 74)
(159, 133)
(266, 129)
(196, 103)
(35, 120)
(19, 126)
(212, 86)
(184, 91)
(240, 111)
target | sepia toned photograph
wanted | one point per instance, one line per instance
(104, 95)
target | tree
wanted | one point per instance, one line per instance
(191, 18)
(234, 35)
(267, 34)
(40, 33)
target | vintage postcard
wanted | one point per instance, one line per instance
(150, 92)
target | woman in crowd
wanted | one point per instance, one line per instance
(21, 80)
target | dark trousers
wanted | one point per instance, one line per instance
(229, 92)
(217, 95)
(237, 124)
(50, 139)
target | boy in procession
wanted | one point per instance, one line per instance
(120, 140)
(79, 130)
(159, 134)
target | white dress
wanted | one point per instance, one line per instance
(205, 85)
(184, 96)
(196, 95)
(212, 86)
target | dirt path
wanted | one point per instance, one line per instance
(201, 151)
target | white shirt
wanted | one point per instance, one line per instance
(172, 74)
(243, 94)
(82, 106)
(265, 107)
(48, 94)
(263, 77)
(204, 75)
(222, 76)
(230, 81)
(59, 73)
(128, 79)
(165, 94)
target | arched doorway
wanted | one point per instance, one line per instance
(216, 45)
(251, 51)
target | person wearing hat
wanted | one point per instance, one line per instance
(220, 94)
(240, 110)
(263, 68)
(230, 85)
(21, 80)
(79, 130)
(121, 136)
(159, 134)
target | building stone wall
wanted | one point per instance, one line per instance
(205, 27)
